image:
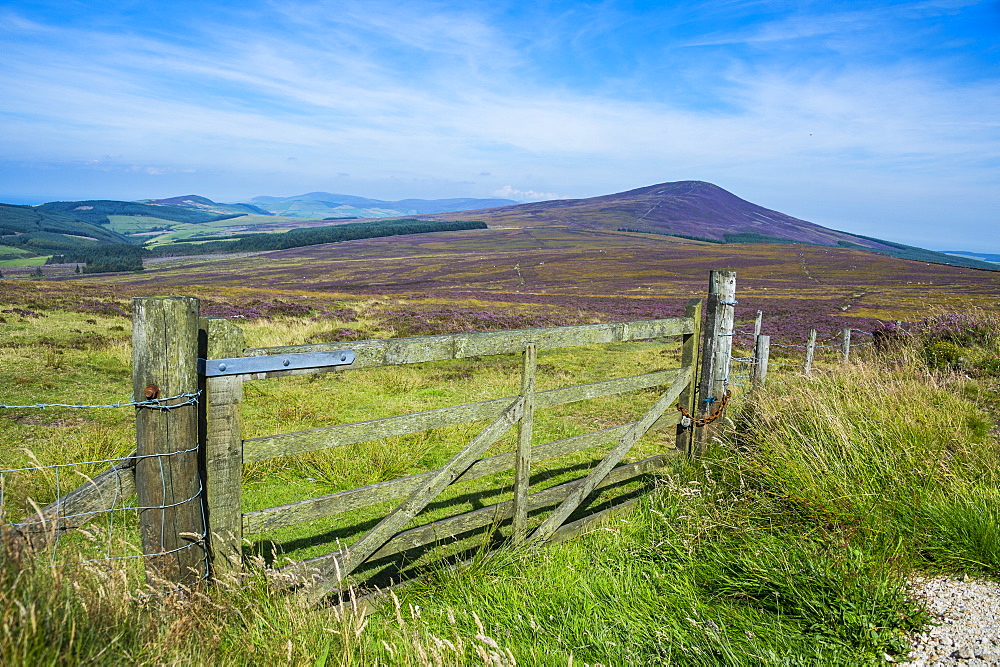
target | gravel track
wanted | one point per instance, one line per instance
(968, 613)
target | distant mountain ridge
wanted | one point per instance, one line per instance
(985, 256)
(328, 204)
(96, 211)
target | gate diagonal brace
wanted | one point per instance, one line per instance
(274, 362)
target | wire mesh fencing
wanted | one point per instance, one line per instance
(88, 512)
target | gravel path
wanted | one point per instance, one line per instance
(968, 611)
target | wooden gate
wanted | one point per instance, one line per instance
(226, 452)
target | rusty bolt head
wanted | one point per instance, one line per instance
(152, 391)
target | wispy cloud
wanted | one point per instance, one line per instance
(526, 101)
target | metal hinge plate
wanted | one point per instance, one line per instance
(274, 362)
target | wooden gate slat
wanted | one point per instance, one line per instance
(286, 444)
(370, 542)
(414, 350)
(590, 482)
(453, 526)
(373, 494)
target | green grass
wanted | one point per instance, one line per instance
(26, 261)
(787, 542)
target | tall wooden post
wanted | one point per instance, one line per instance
(690, 345)
(810, 351)
(761, 357)
(758, 324)
(222, 461)
(522, 471)
(168, 484)
(717, 349)
(845, 345)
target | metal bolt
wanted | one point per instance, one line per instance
(222, 367)
(343, 357)
(285, 362)
(152, 391)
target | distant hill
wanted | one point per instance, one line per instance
(985, 256)
(206, 205)
(30, 231)
(699, 211)
(327, 205)
(97, 211)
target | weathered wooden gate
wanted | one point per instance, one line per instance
(226, 452)
(169, 338)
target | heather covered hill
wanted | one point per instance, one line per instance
(698, 210)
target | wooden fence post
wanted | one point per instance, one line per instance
(810, 351)
(168, 484)
(690, 346)
(845, 345)
(221, 427)
(718, 344)
(758, 324)
(761, 356)
(522, 470)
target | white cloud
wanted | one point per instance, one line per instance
(509, 192)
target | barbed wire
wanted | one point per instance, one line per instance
(157, 403)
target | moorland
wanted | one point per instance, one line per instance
(789, 540)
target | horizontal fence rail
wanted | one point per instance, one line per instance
(493, 514)
(415, 350)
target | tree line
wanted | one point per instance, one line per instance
(297, 238)
(125, 257)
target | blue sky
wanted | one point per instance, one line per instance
(880, 118)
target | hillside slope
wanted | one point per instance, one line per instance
(31, 231)
(699, 210)
(97, 211)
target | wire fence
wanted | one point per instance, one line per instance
(93, 515)
(743, 368)
(741, 371)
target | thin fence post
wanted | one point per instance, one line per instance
(221, 426)
(522, 471)
(718, 344)
(810, 351)
(758, 324)
(690, 345)
(761, 357)
(845, 345)
(168, 484)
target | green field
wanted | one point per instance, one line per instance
(25, 261)
(206, 231)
